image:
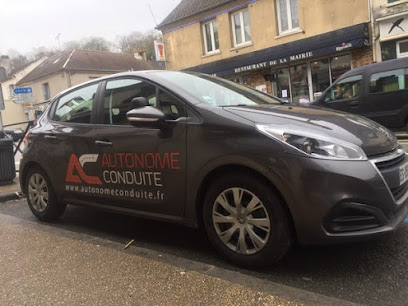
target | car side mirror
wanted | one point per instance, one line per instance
(145, 116)
(138, 102)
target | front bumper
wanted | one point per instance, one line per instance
(341, 201)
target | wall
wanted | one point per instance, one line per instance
(184, 47)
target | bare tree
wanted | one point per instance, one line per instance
(138, 42)
(96, 43)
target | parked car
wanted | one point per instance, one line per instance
(198, 150)
(378, 91)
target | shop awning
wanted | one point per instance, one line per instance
(319, 45)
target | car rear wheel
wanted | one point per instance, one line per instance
(246, 221)
(41, 196)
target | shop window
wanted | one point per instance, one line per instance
(288, 16)
(402, 49)
(240, 28)
(210, 35)
(339, 65)
(320, 76)
(46, 90)
(345, 89)
(300, 84)
(280, 82)
(388, 81)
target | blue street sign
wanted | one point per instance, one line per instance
(23, 90)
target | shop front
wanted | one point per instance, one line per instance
(298, 71)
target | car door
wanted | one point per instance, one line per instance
(388, 94)
(346, 95)
(68, 143)
(141, 168)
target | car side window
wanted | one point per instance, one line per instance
(347, 88)
(170, 106)
(119, 95)
(388, 81)
(76, 106)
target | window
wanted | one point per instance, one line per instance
(387, 81)
(120, 93)
(240, 28)
(339, 65)
(210, 34)
(76, 106)
(288, 16)
(402, 48)
(345, 89)
(46, 90)
(391, 1)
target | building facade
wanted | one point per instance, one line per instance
(390, 29)
(293, 49)
(16, 112)
(70, 68)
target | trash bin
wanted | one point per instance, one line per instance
(7, 166)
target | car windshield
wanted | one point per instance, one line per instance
(216, 91)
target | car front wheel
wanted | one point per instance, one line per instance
(41, 197)
(246, 221)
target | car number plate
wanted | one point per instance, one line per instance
(403, 173)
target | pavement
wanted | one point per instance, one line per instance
(10, 190)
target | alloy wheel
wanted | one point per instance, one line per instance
(38, 192)
(241, 221)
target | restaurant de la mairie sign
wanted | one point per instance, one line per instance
(275, 62)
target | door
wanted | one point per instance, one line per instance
(345, 95)
(142, 169)
(68, 137)
(388, 93)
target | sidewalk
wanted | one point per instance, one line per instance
(10, 190)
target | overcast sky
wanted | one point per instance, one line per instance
(28, 24)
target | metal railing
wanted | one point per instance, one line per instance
(30, 124)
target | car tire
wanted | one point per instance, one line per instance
(41, 196)
(260, 234)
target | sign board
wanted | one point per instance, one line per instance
(23, 95)
(159, 51)
(394, 26)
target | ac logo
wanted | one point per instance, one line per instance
(78, 164)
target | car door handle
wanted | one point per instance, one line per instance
(353, 103)
(50, 137)
(103, 143)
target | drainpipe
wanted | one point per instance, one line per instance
(68, 74)
(372, 25)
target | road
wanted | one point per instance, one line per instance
(373, 272)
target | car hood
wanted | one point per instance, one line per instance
(373, 138)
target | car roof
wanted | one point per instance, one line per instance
(381, 66)
(150, 74)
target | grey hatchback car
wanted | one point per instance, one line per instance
(255, 173)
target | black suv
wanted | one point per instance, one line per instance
(202, 151)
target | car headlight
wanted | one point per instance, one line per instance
(312, 143)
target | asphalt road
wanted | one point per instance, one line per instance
(372, 273)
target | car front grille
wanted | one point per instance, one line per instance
(388, 165)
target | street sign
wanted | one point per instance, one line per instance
(23, 95)
(23, 90)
